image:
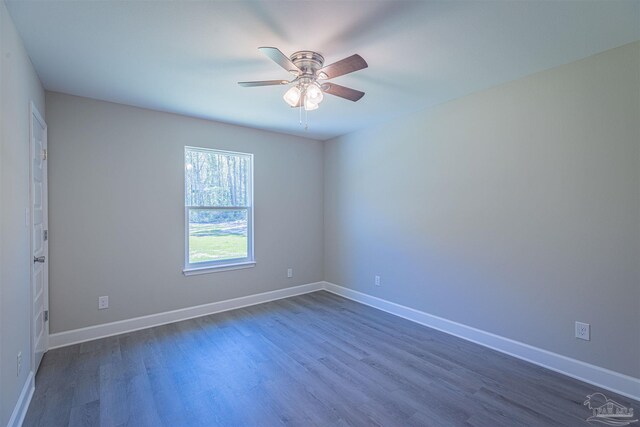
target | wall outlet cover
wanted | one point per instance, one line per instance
(103, 302)
(583, 331)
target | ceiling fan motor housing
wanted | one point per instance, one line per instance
(308, 61)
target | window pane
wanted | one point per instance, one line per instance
(216, 179)
(216, 235)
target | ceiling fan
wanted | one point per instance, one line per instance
(310, 82)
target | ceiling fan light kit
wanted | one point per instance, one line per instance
(308, 86)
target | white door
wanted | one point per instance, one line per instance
(39, 239)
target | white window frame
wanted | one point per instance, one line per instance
(226, 264)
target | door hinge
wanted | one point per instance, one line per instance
(45, 235)
(44, 154)
(46, 315)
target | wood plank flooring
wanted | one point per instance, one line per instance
(312, 360)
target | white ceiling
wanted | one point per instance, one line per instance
(186, 56)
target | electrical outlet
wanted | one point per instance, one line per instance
(289, 272)
(103, 302)
(376, 280)
(19, 364)
(583, 331)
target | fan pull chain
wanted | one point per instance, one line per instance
(306, 120)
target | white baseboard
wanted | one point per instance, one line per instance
(20, 410)
(89, 333)
(619, 383)
(601, 377)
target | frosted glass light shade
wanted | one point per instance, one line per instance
(314, 94)
(292, 96)
(308, 105)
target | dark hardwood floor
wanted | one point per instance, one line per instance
(315, 359)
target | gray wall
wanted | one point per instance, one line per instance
(515, 210)
(116, 194)
(19, 86)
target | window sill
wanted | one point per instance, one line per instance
(217, 268)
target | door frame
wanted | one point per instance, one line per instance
(34, 114)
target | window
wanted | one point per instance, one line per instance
(218, 210)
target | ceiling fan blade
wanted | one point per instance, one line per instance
(342, 67)
(264, 83)
(342, 92)
(280, 58)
